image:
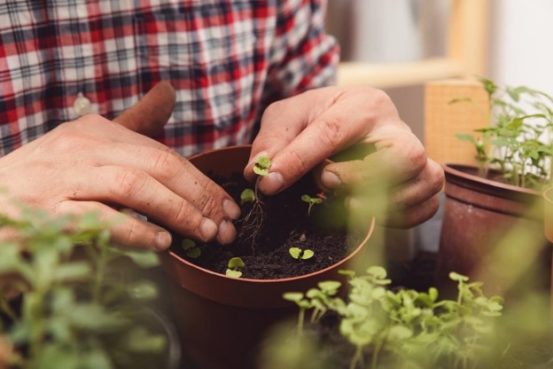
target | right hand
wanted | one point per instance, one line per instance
(95, 165)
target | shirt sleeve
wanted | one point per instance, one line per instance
(302, 56)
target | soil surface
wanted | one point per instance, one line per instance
(268, 229)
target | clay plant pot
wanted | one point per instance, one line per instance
(478, 214)
(223, 320)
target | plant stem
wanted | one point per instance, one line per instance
(357, 357)
(376, 353)
(301, 318)
(100, 272)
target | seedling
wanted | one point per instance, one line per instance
(234, 267)
(311, 201)
(190, 248)
(518, 143)
(262, 166)
(379, 321)
(253, 221)
(301, 254)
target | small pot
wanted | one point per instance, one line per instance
(478, 214)
(222, 320)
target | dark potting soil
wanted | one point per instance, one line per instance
(266, 232)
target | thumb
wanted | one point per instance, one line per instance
(151, 113)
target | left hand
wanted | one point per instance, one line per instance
(300, 132)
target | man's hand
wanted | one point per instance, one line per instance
(300, 132)
(93, 164)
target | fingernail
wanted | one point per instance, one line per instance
(330, 180)
(227, 232)
(272, 183)
(163, 240)
(231, 210)
(208, 229)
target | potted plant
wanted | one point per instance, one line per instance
(71, 300)
(376, 326)
(226, 297)
(502, 192)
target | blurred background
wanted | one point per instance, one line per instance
(399, 45)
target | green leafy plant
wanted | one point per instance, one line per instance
(409, 328)
(518, 144)
(234, 267)
(312, 201)
(301, 254)
(190, 248)
(79, 295)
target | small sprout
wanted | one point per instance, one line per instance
(262, 166)
(248, 195)
(234, 267)
(298, 253)
(311, 201)
(190, 248)
(458, 277)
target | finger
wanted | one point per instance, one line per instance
(328, 134)
(151, 113)
(174, 172)
(397, 159)
(279, 126)
(125, 229)
(414, 215)
(427, 184)
(137, 190)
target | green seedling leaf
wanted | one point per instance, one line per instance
(298, 253)
(236, 263)
(191, 249)
(311, 200)
(234, 267)
(187, 244)
(248, 195)
(458, 277)
(262, 166)
(233, 273)
(293, 296)
(329, 286)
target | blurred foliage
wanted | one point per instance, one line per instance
(70, 299)
(380, 327)
(518, 144)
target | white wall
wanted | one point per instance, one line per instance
(521, 43)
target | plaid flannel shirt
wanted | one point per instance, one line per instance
(227, 59)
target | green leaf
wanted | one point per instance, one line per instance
(72, 271)
(140, 340)
(187, 244)
(233, 273)
(329, 286)
(144, 290)
(466, 137)
(293, 296)
(236, 263)
(144, 259)
(194, 253)
(377, 272)
(262, 166)
(458, 277)
(295, 252)
(248, 195)
(307, 254)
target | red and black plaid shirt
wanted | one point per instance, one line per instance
(227, 59)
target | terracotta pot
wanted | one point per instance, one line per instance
(478, 214)
(222, 320)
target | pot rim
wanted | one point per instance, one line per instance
(459, 170)
(349, 256)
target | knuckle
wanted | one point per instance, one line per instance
(417, 156)
(186, 217)
(132, 235)
(127, 183)
(273, 109)
(331, 132)
(437, 178)
(298, 162)
(165, 164)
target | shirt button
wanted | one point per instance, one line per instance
(82, 105)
